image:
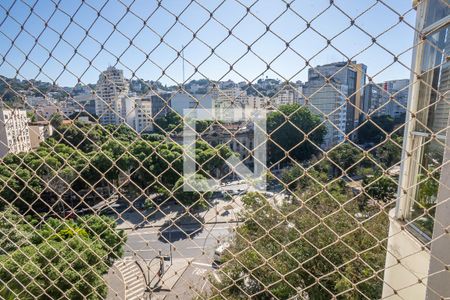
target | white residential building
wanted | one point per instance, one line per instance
(253, 104)
(233, 105)
(148, 108)
(14, 131)
(45, 112)
(39, 132)
(388, 98)
(287, 95)
(328, 102)
(34, 101)
(86, 101)
(111, 90)
(179, 101)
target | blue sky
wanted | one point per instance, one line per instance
(62, 36)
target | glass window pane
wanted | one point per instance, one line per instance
(437, 10)
(434, 100)
(430, 163)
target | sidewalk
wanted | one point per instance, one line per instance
(173, 273)
(224, 211)
(116, 285)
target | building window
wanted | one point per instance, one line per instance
(437, 11)
(428, 114)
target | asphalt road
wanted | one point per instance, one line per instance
(189, 242)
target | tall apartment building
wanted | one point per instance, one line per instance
(152, 106)
(387, 98)
(328, 101)
(14, 131)
(112, 90)
(181, 100)
(286, 95)
(349, 74)
(229, 104)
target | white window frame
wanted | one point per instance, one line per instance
(412, 140)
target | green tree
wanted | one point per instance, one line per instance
(287, 128)
(104, 229)
(428, 190)
(198, 191)
(376, 129)
(344, 158)
(170, 123)
(279, 250)
(13, 232)
(56, 120)
(291, 177)
(59, 259)
(32, 116)
(389, 153)
(382, 188)
(70, 269)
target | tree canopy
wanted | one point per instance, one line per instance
(58, 259)
(81, 158)
(287, 128)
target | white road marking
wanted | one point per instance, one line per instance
(146, 241)
(193, 247)
(199, 271)
(142, 232)
(201, 264)
(217, 277)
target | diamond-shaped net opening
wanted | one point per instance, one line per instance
(225, 149)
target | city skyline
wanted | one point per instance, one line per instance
(232, 149)
(162, 43)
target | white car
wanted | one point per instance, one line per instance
(219, 252)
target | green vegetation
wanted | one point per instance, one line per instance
(170, 123)
(325, 239)
(315, 241)
(345, 158)
(286, 128)
(375, 129)
(193, 191)
(56, 120)
(290, 247)
(86, 157)
(57, 259)
(389, 152)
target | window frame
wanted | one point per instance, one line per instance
(413, 140)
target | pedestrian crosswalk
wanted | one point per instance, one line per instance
(133, 278)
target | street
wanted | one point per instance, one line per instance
(144, 243)
(190, 239)
(191, 260)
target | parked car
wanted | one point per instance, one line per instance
(218, 253)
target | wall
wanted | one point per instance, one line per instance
(406, 263)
